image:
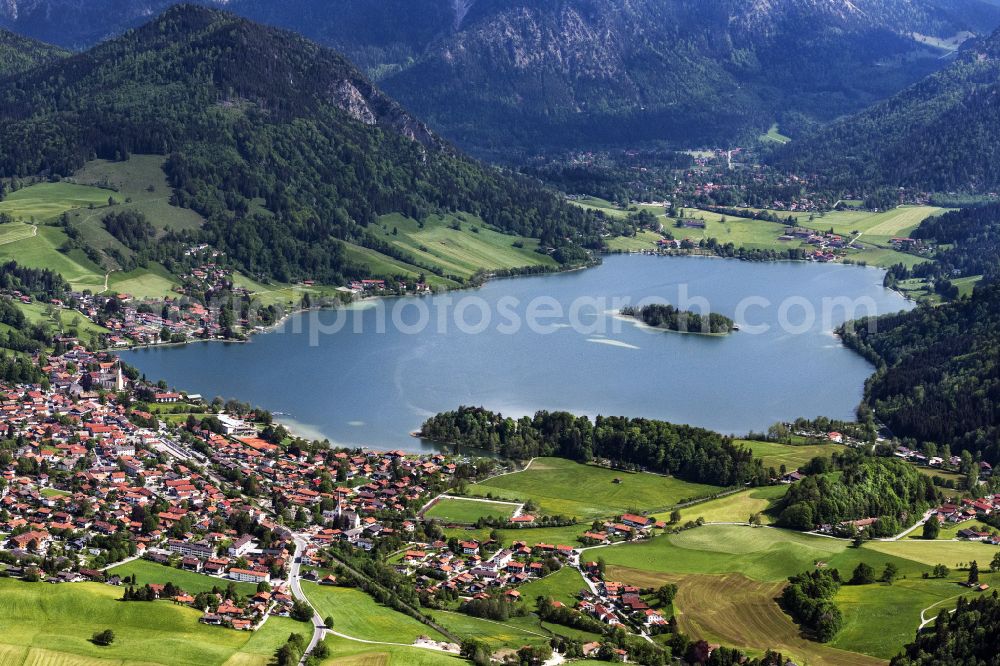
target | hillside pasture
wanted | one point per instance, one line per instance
(563, 487)
(461, 252)
(53, 624)
(45, 202)
(141, 180)
(792, 457)
(734, 508)
(42, 251)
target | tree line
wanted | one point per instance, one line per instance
(689, 453)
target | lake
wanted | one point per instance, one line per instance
(370, 374)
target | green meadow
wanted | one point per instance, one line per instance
(562, 585)
(555, 484)
(463, 251)
(730, 575)
(52, 624)
(189, 581)
(734, 508)
(343, 652)
(358, 615)
(791, 456)
(45, 202)
(456, 510)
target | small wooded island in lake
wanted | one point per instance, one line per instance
(665, 316)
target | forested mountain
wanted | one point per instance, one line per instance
(505, 76)
(18, 53)
(941, 134)
(560, 73)
(938, 374)
(282, 145)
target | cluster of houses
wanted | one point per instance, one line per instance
(377, 286)
(476, 570)
(910, 245)
(969, 509)
(937, 462)
(133, 322)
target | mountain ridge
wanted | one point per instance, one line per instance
(281, 145)
(500, 77)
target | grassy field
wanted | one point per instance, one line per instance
(189, 581)
(459, 252)
(774, 135)
(45, 202)
(141, 180)
(562, 586)
(556, 485)
(730, 575)
(343, 652)
(357, 614)
(949, 553)
(70, 321)
(643, 240)
(792, 457)
(762, 554)
(454, 510)
(42, 251)
(880, 619)
(734, 610)
(52, 625)
(380, 264)
(512, 634)
(606, 207)
(737, 507)
(565, 535)
(152, 282)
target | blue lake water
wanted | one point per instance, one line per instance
(356, 377)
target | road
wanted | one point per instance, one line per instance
(295, 584)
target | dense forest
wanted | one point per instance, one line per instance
(890, 490)
(973, 238)
(968, 637)
(941, 134)
(18, 54)
(668, 317)
(938, 371)
(689, 453)
(282, 145)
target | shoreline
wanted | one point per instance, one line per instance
(248, 336)
(304, 431)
